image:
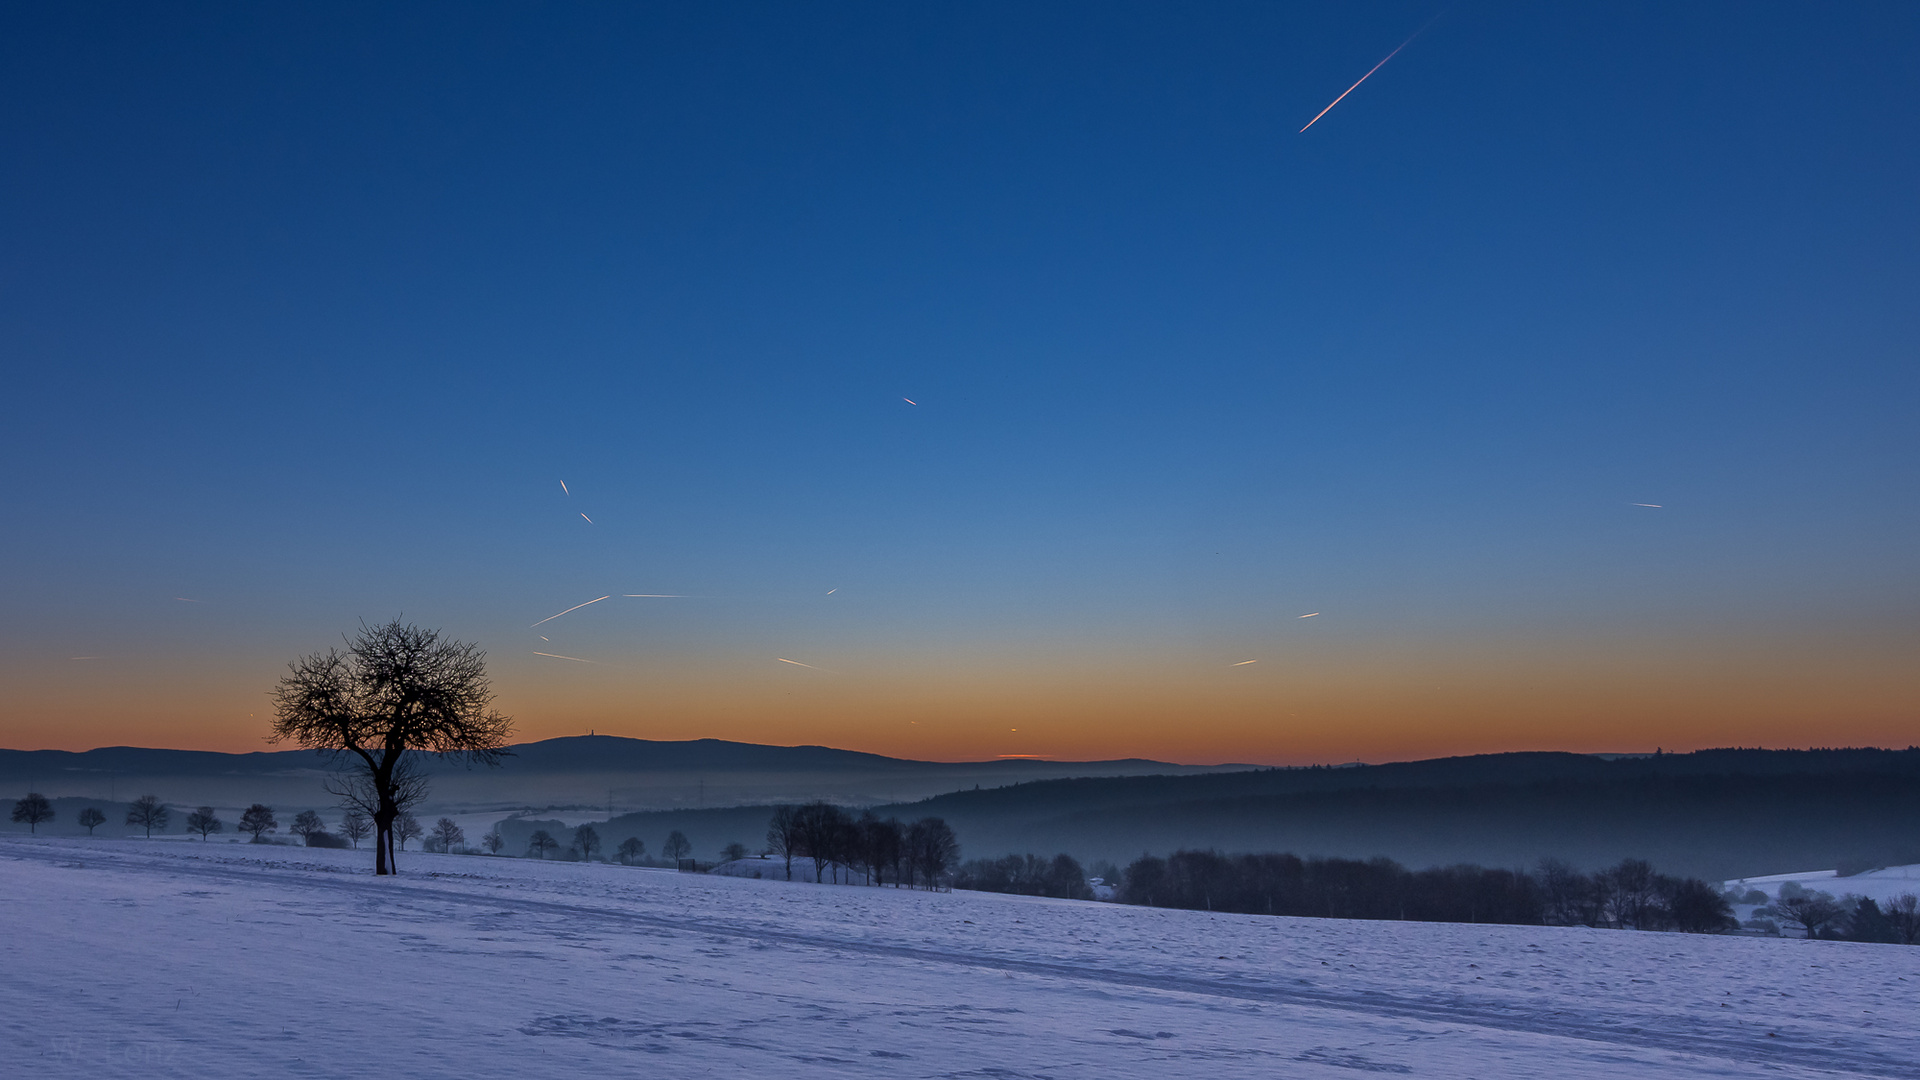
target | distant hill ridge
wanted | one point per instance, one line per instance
(573, 753)
(612, 753)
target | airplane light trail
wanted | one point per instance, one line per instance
(795, 663)
(830, 592)
(557, 656)
(563, 487)
(1243, 663)
(575, 607)
(587, 519)
(1368, 75)
(909, 401)
(1308, 615)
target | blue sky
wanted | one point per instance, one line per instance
(308, 313)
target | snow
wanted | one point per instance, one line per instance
(133, 959)
(1881, 885)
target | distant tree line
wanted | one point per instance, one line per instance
(1846, 918)
(876, 851)
(1026, 875)
(1630, 895)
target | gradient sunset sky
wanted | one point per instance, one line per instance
(1022, 369)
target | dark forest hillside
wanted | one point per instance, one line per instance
(1713, 814)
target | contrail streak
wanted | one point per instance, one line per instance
(1243, 663)
(830, 592)
(557, 656)
(563, 487)
(1369, 73)
(909, 401)
(587, 519)
(656, 595)
(795, 663)
(1650, 506)
(1308, 615)
(575, 607)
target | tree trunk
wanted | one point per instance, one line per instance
(383, 839)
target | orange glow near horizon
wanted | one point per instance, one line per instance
(1385, 702)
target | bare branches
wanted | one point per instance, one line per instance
(356, 790)
(397, 689)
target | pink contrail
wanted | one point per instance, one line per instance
(1243, 663)
(575, 607)
(557, 656)
(1369, 73)
(795, 663)
(909, 401)
(563, 487)
(588, 519)
(1308, 615)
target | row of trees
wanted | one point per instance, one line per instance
(880, 852)
(583, 843)
(1630, 895)
(149, 813)
(1846, 918)
(146, 813)
(1026, 875)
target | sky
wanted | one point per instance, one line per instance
(1023, 370)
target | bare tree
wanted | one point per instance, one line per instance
(355, 826)
(586, 840)
(407, 828)
(1812, 910)
(91, 818)
(1566, 895)
(493, 842)
(149, 813)
(258, 820)
(879, 845)
(398, 690)
(541, 842)
(631, 850)
(677, 846)
(783, 835)
(204, 821)
(1903, 915)
(821, 828)
(305, 824)
(33, 810)
(932, 849)
(1695, 907)
(1635, 892)
(735, 850)
(446, 833)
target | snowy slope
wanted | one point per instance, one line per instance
(143, 960)
(1882, 885)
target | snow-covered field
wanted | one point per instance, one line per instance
(123, 958)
